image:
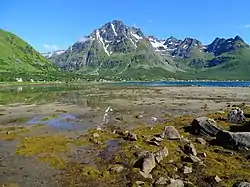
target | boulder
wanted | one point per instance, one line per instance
(171, 133)
(233, 140)
(148, 163)
(236, 115)
(205, 126)
(191, 158)
(201, 141)
(160, 155)
(190, 149)
(241, 184)
(176, 183)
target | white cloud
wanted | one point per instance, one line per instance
(247, 26)
(83, 39)
(51, 47)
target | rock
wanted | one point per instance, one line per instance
(171, 133)
(139, 116)
(146, 175)
(98, 128)
(140, 183)
(205, 126)
(203, 155)
(190, 149)
(148, 163)
(236, 115)
(116, 168)
(153, 119)
(161, 181)
(160, 155)
(158, 139)
(233, 140)
(191, 158)
(154, 143)
(186, 140)
(201, 141)
(188, 184)
(142, 154)
(131, 136)
(214, 179)
(187, 170)
(96, 135)
(241, 184)
(176, 183)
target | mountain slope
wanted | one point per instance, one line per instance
(17, 55)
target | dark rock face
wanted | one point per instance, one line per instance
(185, 48)
(241, 184)
(221, 45)
(205, 126)
(233, 140)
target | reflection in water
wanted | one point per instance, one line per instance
(19, 89)
(63, 121)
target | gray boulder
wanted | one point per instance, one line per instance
(148, 163)
(205, 126)
(160, 155)
(241, 184)
(171, 133)
(236, 115)
(233, 140)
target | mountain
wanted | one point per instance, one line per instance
(118, 50)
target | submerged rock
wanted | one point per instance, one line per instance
(205, 126)
(148, 163)
(233, 140)
(171, 133)
(176, 183)
(236, 115)
(190, 149)
(241, 184)
(160, 155)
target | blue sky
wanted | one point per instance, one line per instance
(57, 24)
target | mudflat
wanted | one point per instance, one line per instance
(64, 136)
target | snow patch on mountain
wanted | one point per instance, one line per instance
(113, 28)
(98, 37)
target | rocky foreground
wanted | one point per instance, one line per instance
(211, 150)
